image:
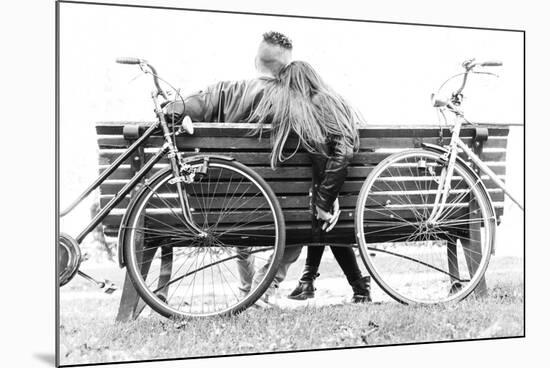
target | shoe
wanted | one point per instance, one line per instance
(263, 302)
(305, 289)
(455, 288)
(361, 290)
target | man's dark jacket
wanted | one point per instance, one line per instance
(234, 101)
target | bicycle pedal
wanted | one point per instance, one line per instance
(455, 288)
(108, 287)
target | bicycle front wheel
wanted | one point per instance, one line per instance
(415, 259)
(180, 273)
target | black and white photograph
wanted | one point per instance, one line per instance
(269, 185)
(272, 183)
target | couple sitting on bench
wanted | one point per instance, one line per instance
(293, 98)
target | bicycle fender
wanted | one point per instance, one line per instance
(436, 148)
(461, 161)
(126, 217)
(443, 150)
(201, 157)
(121, 235)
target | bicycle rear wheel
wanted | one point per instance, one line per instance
(410, 258)
(181, 274)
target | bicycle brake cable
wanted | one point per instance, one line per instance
(178, 94)
(136, 77)
(175, 90)
(448, 80)
(488, 73)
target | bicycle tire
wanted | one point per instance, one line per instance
(267, 228)
(412, 261)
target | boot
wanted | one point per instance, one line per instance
(305, 288)
(361, 290)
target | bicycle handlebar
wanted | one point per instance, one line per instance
(491, 63)
(152, 71)
(129, 60)
(469, 65)
(456, 96)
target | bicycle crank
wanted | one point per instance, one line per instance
(107, 286)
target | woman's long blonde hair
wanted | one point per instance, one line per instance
(299, 101)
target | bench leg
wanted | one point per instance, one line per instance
(164, 277)
(130, 298)
(452, 259)
(472, 252)
(128, 301)
(131, 304)
(148, 255)
(470, 239)
(165, 270)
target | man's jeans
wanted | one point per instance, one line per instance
(251, 279)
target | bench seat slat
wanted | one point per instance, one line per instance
(282, 187)
(287, 202)
(298, 172)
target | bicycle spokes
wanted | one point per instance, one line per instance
(211, 272)
(416, 241)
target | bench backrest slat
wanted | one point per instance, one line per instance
(377, 143)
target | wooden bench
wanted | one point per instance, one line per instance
(377, 142)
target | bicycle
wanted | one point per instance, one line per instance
(438, 218)
(185, 265)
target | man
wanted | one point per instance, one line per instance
(274, 53)
(234, 102)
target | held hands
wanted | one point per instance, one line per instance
(330, 219)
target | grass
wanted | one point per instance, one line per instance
(89, 335)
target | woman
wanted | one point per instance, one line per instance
(299, 101)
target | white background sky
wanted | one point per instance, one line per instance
(27, 318)
(388, 71)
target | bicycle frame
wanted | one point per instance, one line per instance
(169, 148)
(486, 170)
(447, 173)
(122, 192)
(456, 143)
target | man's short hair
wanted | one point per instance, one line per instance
(274, 53)
(278, 39)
